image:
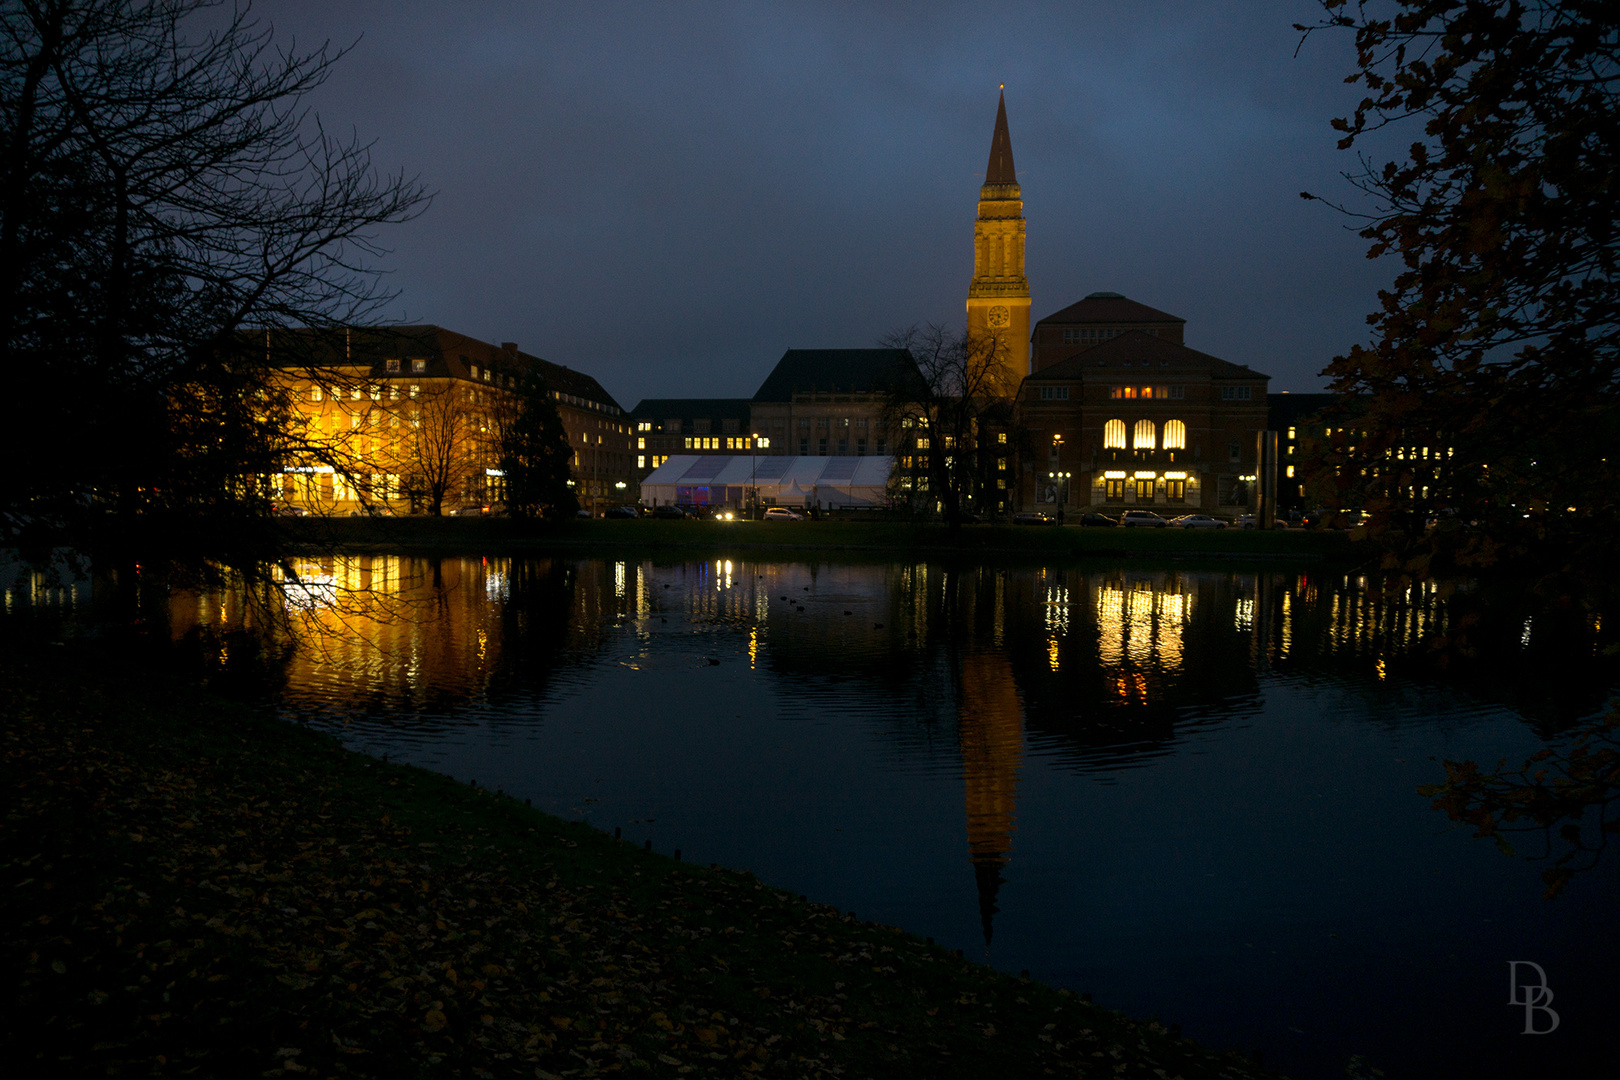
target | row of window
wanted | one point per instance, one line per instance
(1147, 393)
(841, 447)
(713, 442)
(1074, 337)
(1145, 435)
(374, 392)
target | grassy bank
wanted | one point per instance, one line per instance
(190, 888)
(502, 536)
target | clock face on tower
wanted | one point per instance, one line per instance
(1000, 317)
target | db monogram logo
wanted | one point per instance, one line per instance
(1531, 997)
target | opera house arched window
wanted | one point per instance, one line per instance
(1144, 436)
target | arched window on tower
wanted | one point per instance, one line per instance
(1114, 435)
(1142, 438)
(1175, 435)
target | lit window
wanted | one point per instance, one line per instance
(418, 366)
(1144, 436)
(641, 444)
(354, 394)
(641, 462)
(391, 365)
(1175, 435)
(1001, 437)
(1114, 435)
(415, 390)
(1289, 472)
(314, 393)
(1290, 433)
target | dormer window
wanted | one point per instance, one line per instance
(418, 366)
(392, 366)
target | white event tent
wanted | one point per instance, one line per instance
(726, 479)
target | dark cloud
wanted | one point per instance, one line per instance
(670, 195)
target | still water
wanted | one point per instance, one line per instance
(1190, 793)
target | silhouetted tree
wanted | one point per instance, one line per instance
(535, 452)
(163, 191)
(1499, 340)
(936, 413)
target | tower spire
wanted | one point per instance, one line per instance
(1000, 169)
(998, 295)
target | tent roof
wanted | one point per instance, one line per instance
(807, 472)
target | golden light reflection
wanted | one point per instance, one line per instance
(1052, 654)
(753, 647)
(991, 726)
(1243, 615)
(1140, 628)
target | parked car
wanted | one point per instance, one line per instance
(671, 512)
(1096, 519)
(372, 510)
(1133, 519)
(1250, 521)
(621, 512)
(1197, 521)
(1032, 517)
(782, 513)
(470, 510)
(1335, 519)
(287, 510)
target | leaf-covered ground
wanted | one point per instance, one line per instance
(188, 888)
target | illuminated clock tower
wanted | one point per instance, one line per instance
(998, 296)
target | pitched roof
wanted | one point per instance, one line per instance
(448, 355)
(690, 408)
(1136, 349)
(1001, 170)
(1109, 307)
(835, 371)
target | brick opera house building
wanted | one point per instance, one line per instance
(1120, 413)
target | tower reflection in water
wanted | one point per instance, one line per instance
(1083, 670)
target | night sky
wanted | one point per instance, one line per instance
(667, 196)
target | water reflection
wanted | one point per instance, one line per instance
(1192, 757)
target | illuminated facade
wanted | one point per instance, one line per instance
(998, 295)
(387, 413)
(1131, 417)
